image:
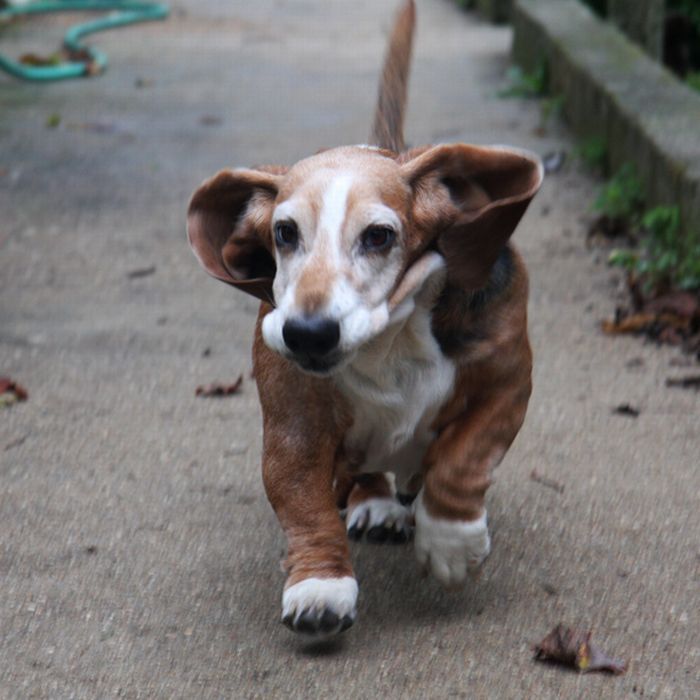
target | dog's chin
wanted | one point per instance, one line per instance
(319, 367)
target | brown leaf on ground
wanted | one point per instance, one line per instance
(671, 317)
(607, 227)
(573, 648)
(640, 323)
(690, 382)
(64, 55)
(218, 389)
(11, 392)
(140, 272)
(625, 409)
(35, 59)
(682, 304)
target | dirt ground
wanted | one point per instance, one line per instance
(138, 555)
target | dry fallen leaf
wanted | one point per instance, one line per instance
(692, 381)
(682, 304)
(625, 409)
(11, 392)
(218, 389)
(573, 648)
(672, 318)
(34, 59)
(140, 272)
(64, 55)
(635, 323)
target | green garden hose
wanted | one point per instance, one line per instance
(91, 60)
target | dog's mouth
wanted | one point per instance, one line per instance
(318, 366)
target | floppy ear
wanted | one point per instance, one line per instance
(468, 200)
(228, 226)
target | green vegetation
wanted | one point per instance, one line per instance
(522, 84)
(693, 80)
(688, 8)
(534, 85)
(665, 258)
(550, 107)
(622, 197)
(600, 7)
(593, 152)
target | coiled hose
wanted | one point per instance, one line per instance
(91, 60)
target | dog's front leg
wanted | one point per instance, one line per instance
(451, 535)
(320, 593)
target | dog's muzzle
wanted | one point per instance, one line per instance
(312, 341)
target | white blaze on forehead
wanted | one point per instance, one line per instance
(333, 210)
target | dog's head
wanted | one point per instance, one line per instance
(341, 239)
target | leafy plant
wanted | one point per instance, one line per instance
(689, 8)
(622, 198)
(666, 259)
(522, 84)
(693, 80)
(593, 152)
(550, 107)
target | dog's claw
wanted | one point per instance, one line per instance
(378, 534)
(320, 607)
(354, 533)
(311, 623)
(379, 520)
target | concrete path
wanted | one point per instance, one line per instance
(138, 555)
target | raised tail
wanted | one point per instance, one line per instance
(387, 131)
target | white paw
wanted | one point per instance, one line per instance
(380, 520)
(320, 606)
(450, 548)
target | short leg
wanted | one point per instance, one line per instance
(374, 513)
(451, 535)
(320, 593)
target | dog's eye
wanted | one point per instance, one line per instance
(286, 234)
(377, 238)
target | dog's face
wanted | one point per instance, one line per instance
(340, 231)
(332, 241)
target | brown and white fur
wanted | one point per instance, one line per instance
(391, 337)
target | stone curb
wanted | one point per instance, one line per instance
(612, 90)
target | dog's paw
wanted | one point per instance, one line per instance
(379, 520)
(450, 548)
(320, 607)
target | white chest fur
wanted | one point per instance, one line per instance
(396, 386)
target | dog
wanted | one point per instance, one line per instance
(391, 340)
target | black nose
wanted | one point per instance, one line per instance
(313, 336)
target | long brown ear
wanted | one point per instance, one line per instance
(228, 226)
(468, 200)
